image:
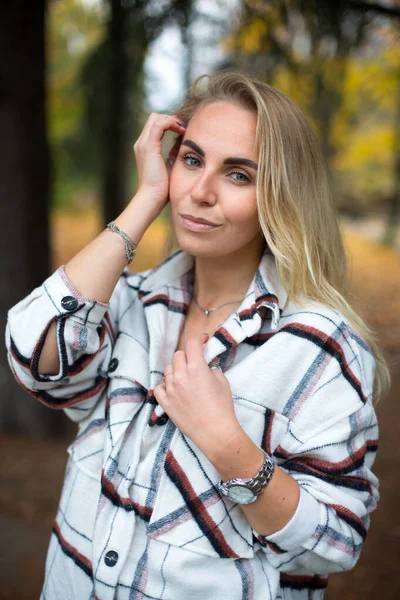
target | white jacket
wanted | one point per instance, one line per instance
(140, 515)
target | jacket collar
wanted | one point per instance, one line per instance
(265, 289)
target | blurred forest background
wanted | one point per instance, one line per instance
(78, 78)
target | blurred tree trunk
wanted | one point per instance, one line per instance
(113, 80)
(131, 30)
(24, 192)
(115, 130)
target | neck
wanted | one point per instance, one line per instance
(224, 278)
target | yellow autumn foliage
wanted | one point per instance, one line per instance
(362, 130)
(373, 144)
(250, 39)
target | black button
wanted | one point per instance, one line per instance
(162, 419)
(111, 558)
(69, 303)
(113, 365)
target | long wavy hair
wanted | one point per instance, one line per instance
(295, 207)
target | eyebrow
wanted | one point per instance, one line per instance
(232, 160)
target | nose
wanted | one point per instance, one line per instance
(203, 190)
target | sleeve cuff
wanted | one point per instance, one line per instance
(78, 334)
(61, 298)
(75, 292)
(300, 527)
(79, 319)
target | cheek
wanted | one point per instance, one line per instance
(177, 186)
(243, 212)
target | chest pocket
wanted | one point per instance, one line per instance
(100, 433)
(189, 512)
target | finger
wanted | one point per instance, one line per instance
(163, 123)
(216, 371)
(194, 350)
(169, 376)
(148, 125)
(168, 369)
(154, 129)
(166, 119)
(177, 120)
(179, 362)
(160, 393)
(174, 123)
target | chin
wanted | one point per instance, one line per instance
(202, 248)
(198, 250)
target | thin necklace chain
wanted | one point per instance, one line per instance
(207, 311)
(215, 329)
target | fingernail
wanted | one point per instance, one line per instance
(181, 124)
(207, 335)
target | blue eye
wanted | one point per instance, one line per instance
(190, 160)
(241, 177)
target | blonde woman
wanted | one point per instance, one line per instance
(224, 398)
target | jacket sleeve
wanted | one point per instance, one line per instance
(86, 331)
(329, 449)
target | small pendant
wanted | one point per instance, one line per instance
(207, 312)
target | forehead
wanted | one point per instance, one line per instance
(224, 128)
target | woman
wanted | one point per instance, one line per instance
(237, 358)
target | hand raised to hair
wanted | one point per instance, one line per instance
(198, 400)
(153, 174)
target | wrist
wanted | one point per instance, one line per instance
(135, 219)
(237, 456)
(151, 200)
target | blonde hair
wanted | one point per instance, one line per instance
(295, 207)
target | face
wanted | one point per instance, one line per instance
(214, 179)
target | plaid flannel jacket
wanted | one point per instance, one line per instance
(140, 515)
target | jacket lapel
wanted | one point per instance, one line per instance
(166, 295)
(266, 291)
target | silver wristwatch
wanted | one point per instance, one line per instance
(246, 491)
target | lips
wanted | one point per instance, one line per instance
(199, 220)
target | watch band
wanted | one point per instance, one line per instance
(255, 485)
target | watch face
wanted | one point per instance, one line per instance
(240, 494)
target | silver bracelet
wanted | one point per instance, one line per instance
(130, 247)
